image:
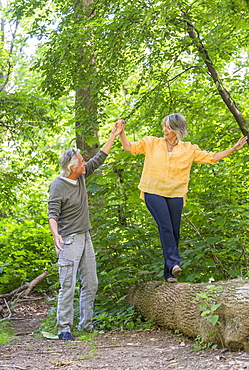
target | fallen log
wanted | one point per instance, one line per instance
(217, 312)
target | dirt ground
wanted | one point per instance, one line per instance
(115, 350)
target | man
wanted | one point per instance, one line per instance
(70, 225)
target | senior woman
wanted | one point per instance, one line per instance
(164, 180)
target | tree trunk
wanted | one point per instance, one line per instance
(83, 126)
(85, 103)
(4, 77)
(175, 306)
(2, 41)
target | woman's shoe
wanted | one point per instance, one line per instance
(171, 280)
(176, 270)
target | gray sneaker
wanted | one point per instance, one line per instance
(171, 280)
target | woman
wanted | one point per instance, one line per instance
(164, 180)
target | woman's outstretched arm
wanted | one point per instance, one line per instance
(240, 143)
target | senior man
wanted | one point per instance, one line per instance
(70, 225)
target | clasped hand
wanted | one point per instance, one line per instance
(119, 125)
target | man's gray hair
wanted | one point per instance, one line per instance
(177, 123)
(68, 159)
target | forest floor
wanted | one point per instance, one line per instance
(113, 350)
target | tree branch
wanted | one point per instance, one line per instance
(26, 287)
(34, 282)
(230, 103)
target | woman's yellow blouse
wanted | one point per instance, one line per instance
(164, 174)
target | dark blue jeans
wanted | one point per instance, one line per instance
(167, 214)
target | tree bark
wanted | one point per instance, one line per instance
(85, 104)
(4, 77)
(87, 108)
(175, 306)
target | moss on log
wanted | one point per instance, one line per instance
(176, 307)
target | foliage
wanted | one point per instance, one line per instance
(30, 122)
(201, 345)
(218, 245)
(207, 307)
(49, 323)
(6, 332)
(149, 42)
(121, 318)
(25, 253)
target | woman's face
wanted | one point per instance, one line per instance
(168, 133)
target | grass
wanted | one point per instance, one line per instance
(6, 332)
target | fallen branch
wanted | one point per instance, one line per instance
(10, 313)
(35, 282)
(26, 287)
(22, 291)
(24, 299)
(15, 292)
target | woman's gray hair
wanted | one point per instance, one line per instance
(177, 123)
(68, 159)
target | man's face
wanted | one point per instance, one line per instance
(80, 169)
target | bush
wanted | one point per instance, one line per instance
(26, 251)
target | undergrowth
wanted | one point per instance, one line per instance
(120, 318)
(6, 332)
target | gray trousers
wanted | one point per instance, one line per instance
(78, 256)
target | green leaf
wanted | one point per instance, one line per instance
(205, 313)
(214, 307)
(214, 319)
(49, 335)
